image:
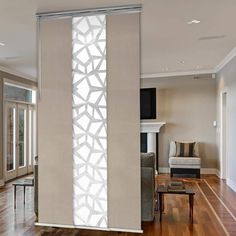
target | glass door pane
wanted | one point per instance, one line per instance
(34, 130)
(16, 140)
(11, 138)
(22, 135)
(30, 138)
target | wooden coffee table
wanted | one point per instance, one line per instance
(162, 190)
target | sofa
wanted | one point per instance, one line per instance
(148, 186)
(180, 162)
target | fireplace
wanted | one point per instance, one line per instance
(143, 142)
(149, 137)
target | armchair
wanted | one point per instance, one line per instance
(184, 158)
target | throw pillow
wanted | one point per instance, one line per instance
(184, 149)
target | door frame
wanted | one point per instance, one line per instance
(33, 142)
(32, 105)
(22, 170)
(223, 134)
(13, 173)
(19, 170)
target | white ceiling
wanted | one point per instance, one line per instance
(167, 39)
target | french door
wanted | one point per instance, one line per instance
(20, 134)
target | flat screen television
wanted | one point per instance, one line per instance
(148, 103)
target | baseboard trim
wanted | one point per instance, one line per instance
(209, 171)
(89, 228)
(2, 183)
(231, 184)
(218, 173)
(164, 170)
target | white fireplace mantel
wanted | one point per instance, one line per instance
(151, 126)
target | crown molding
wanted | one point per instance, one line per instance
(17, 73)
(226, 60)
(177, 73)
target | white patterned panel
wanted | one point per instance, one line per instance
(89, 121)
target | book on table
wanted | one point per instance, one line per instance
(176, 186)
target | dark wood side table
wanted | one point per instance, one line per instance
(162, 190)
(23, 183)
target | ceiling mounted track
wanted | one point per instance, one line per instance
(92, 11)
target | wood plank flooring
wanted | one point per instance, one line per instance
(214, 213)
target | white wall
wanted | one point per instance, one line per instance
(188, 106)
(226, 81)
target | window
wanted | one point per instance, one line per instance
(17, 93)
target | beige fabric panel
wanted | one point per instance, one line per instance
(55, 124)
(123, 84)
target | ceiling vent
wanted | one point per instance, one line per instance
(206, 76)
(13, 58)
(212, 37)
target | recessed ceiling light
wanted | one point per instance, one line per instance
(181, 62)
(193, 22)
(2, 44)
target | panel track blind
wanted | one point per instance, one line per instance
(89, 121)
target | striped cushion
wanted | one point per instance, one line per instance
(184, 149)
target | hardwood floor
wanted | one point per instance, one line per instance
(214, 213)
